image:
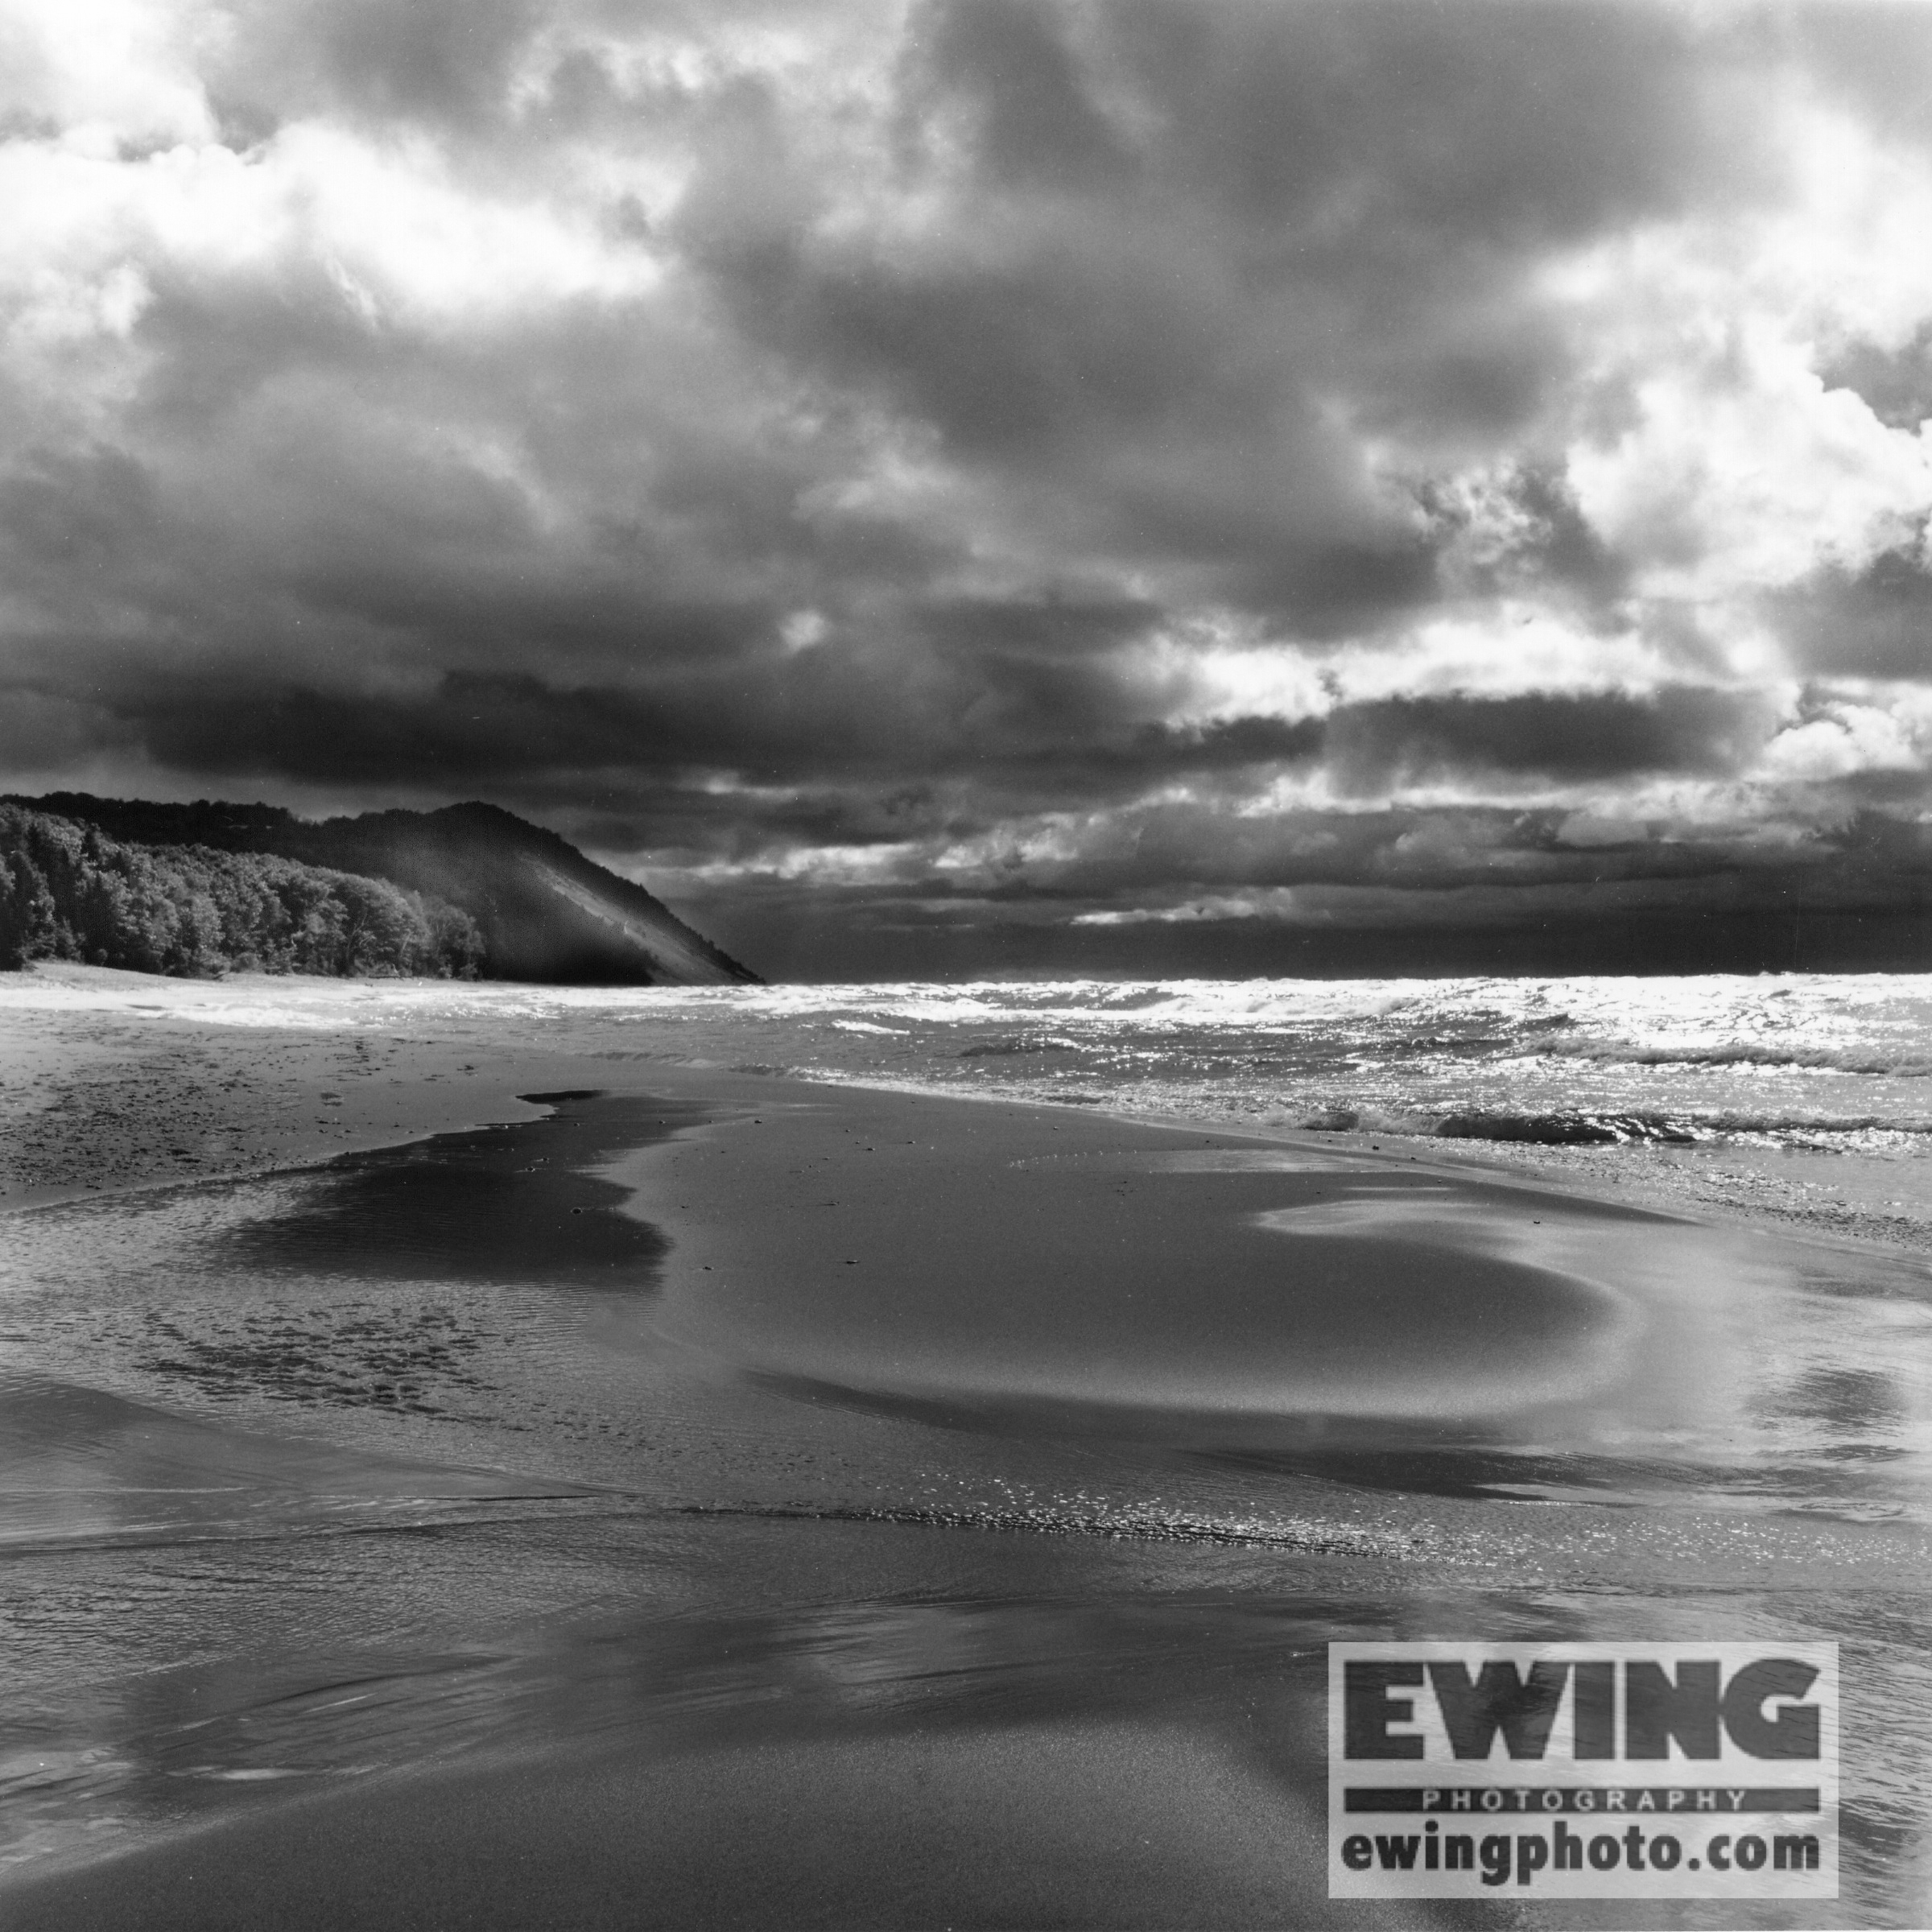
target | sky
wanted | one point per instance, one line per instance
(1164, 485)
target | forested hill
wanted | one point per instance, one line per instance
(69, 892)
(538, 909)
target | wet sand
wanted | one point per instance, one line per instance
(709, 1499)
(1055, 1824)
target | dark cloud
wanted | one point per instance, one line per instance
(1031, 730)
(442, 63)
(1874, 623)
(1276, 208)
(1589, 115)
(1021, 458)
(1860, 899)
(1375, 748)
(1894, 381)
(1028, 111)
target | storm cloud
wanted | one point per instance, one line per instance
(993, 483)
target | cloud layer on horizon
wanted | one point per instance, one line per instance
(979, 464)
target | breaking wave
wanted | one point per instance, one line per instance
(1580, 1129)
(1904, 1065)
(1025, 1043)
(1831, 1063)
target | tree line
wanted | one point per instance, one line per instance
(69, 892)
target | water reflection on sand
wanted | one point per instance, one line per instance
(1072, 1436)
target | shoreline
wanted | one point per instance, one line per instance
(288, 1077)
(1177, 1376)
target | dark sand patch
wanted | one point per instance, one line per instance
(517, 1202)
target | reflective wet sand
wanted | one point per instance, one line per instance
(743, 1503)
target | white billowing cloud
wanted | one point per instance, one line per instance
(1729, 466)
(1860, 727)
(1511, 647)
(391, 223)
(110, 73)
(437, 249)
(1854, 739)
(1744, 473)
(1219, 666)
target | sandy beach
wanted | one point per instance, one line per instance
(691, 1496)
